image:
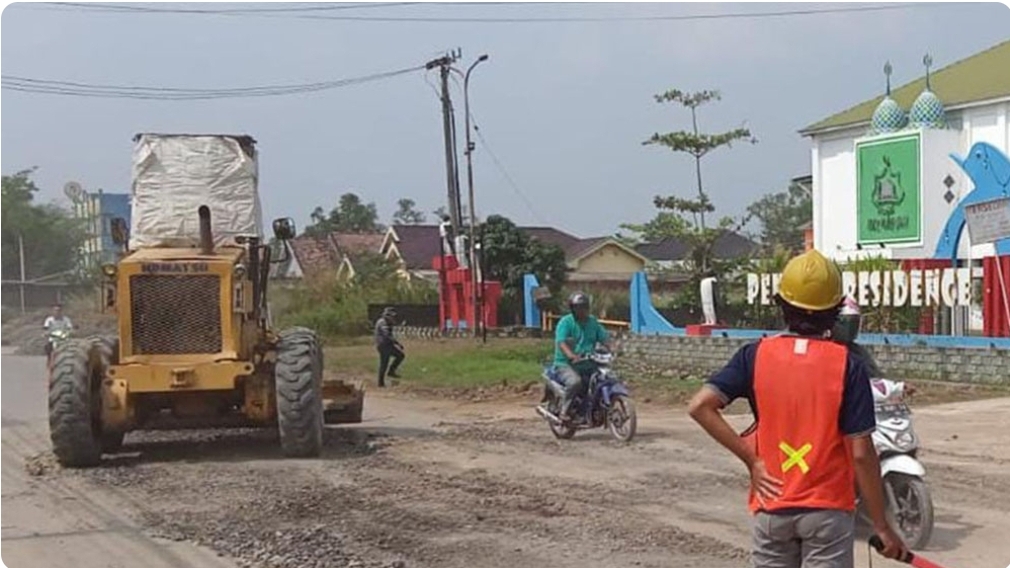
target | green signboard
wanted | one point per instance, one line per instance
(889, 206)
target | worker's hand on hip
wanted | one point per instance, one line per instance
(765, 485)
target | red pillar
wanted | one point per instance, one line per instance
(927, 316)
(995, 322)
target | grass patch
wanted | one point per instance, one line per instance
(449, 363)
(462, 364)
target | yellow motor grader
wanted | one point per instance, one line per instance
(195, 348)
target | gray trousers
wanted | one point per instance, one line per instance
(814, 539)
(573, 382)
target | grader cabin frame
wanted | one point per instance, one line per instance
(194, 350)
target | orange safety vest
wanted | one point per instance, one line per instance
(798, 386)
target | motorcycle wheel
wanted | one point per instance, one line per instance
(622, 419)
(560, 431)
(910, 508)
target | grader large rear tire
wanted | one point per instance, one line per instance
(298, 375)
(74, 426)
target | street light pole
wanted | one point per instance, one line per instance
(477, 317)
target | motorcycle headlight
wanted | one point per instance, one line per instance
(905, 441)
(109, 270)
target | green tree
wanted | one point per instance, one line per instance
(680, 219)
(373, 269)
(509, 253)
(696, 144)
(51, 236)
(665, 225)
(407, 214)
(782, 216)
(350, 215)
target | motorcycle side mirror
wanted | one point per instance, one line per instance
(119, 231)
(284, 229)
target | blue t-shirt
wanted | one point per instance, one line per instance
(582, 337)
(736, 380)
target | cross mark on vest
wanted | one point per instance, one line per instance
(795, 457)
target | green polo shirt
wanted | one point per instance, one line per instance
(582, 337)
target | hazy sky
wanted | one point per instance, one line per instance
(563, 105)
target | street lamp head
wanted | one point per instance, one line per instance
(482, 57)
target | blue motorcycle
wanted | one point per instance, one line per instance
(604, 402)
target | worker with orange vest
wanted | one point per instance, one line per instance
(811, 445)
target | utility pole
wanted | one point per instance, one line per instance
(444, 64)
(21, 258)
(478, 314)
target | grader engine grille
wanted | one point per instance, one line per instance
(174, 315)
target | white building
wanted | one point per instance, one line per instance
(892, 176)
(966, 103)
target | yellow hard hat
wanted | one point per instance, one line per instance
(811, 282)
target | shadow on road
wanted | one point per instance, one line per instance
(950, 530)
(248, 445)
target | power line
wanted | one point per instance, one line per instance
(501, 169)
(70, 88)
(514, 20)
(659, 18)
(95, 6)
(289, 12)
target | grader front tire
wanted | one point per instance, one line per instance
(74, 426)
(298, 377)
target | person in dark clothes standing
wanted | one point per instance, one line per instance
(390, 350)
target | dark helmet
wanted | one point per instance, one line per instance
(577, 300)
(848, 323)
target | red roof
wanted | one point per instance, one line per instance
(418, 244)
(315, 255)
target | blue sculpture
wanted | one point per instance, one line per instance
(989, 170)
(531, 311)
(645, 318)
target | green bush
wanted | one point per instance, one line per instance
(336, 307)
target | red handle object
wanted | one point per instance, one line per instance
(916, 561)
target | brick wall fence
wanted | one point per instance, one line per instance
(704, 355)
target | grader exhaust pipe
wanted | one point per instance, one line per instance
(206, 237)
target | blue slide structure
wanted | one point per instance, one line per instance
(645, 318)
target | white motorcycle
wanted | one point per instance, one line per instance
(909, 503)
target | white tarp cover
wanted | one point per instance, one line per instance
(174, 175)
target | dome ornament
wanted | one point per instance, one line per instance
(888, 117)
(927, 111)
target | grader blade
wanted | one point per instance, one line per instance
(343, 402)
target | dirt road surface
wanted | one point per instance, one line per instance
(425, 483)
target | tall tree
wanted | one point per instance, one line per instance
(407, 214)
(51, 236)
(694, 143)
(782, 216)
(350, 215)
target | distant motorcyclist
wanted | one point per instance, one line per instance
(55, 322)
(576, 336)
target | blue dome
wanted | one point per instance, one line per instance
(888, 117)
(927, 111)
